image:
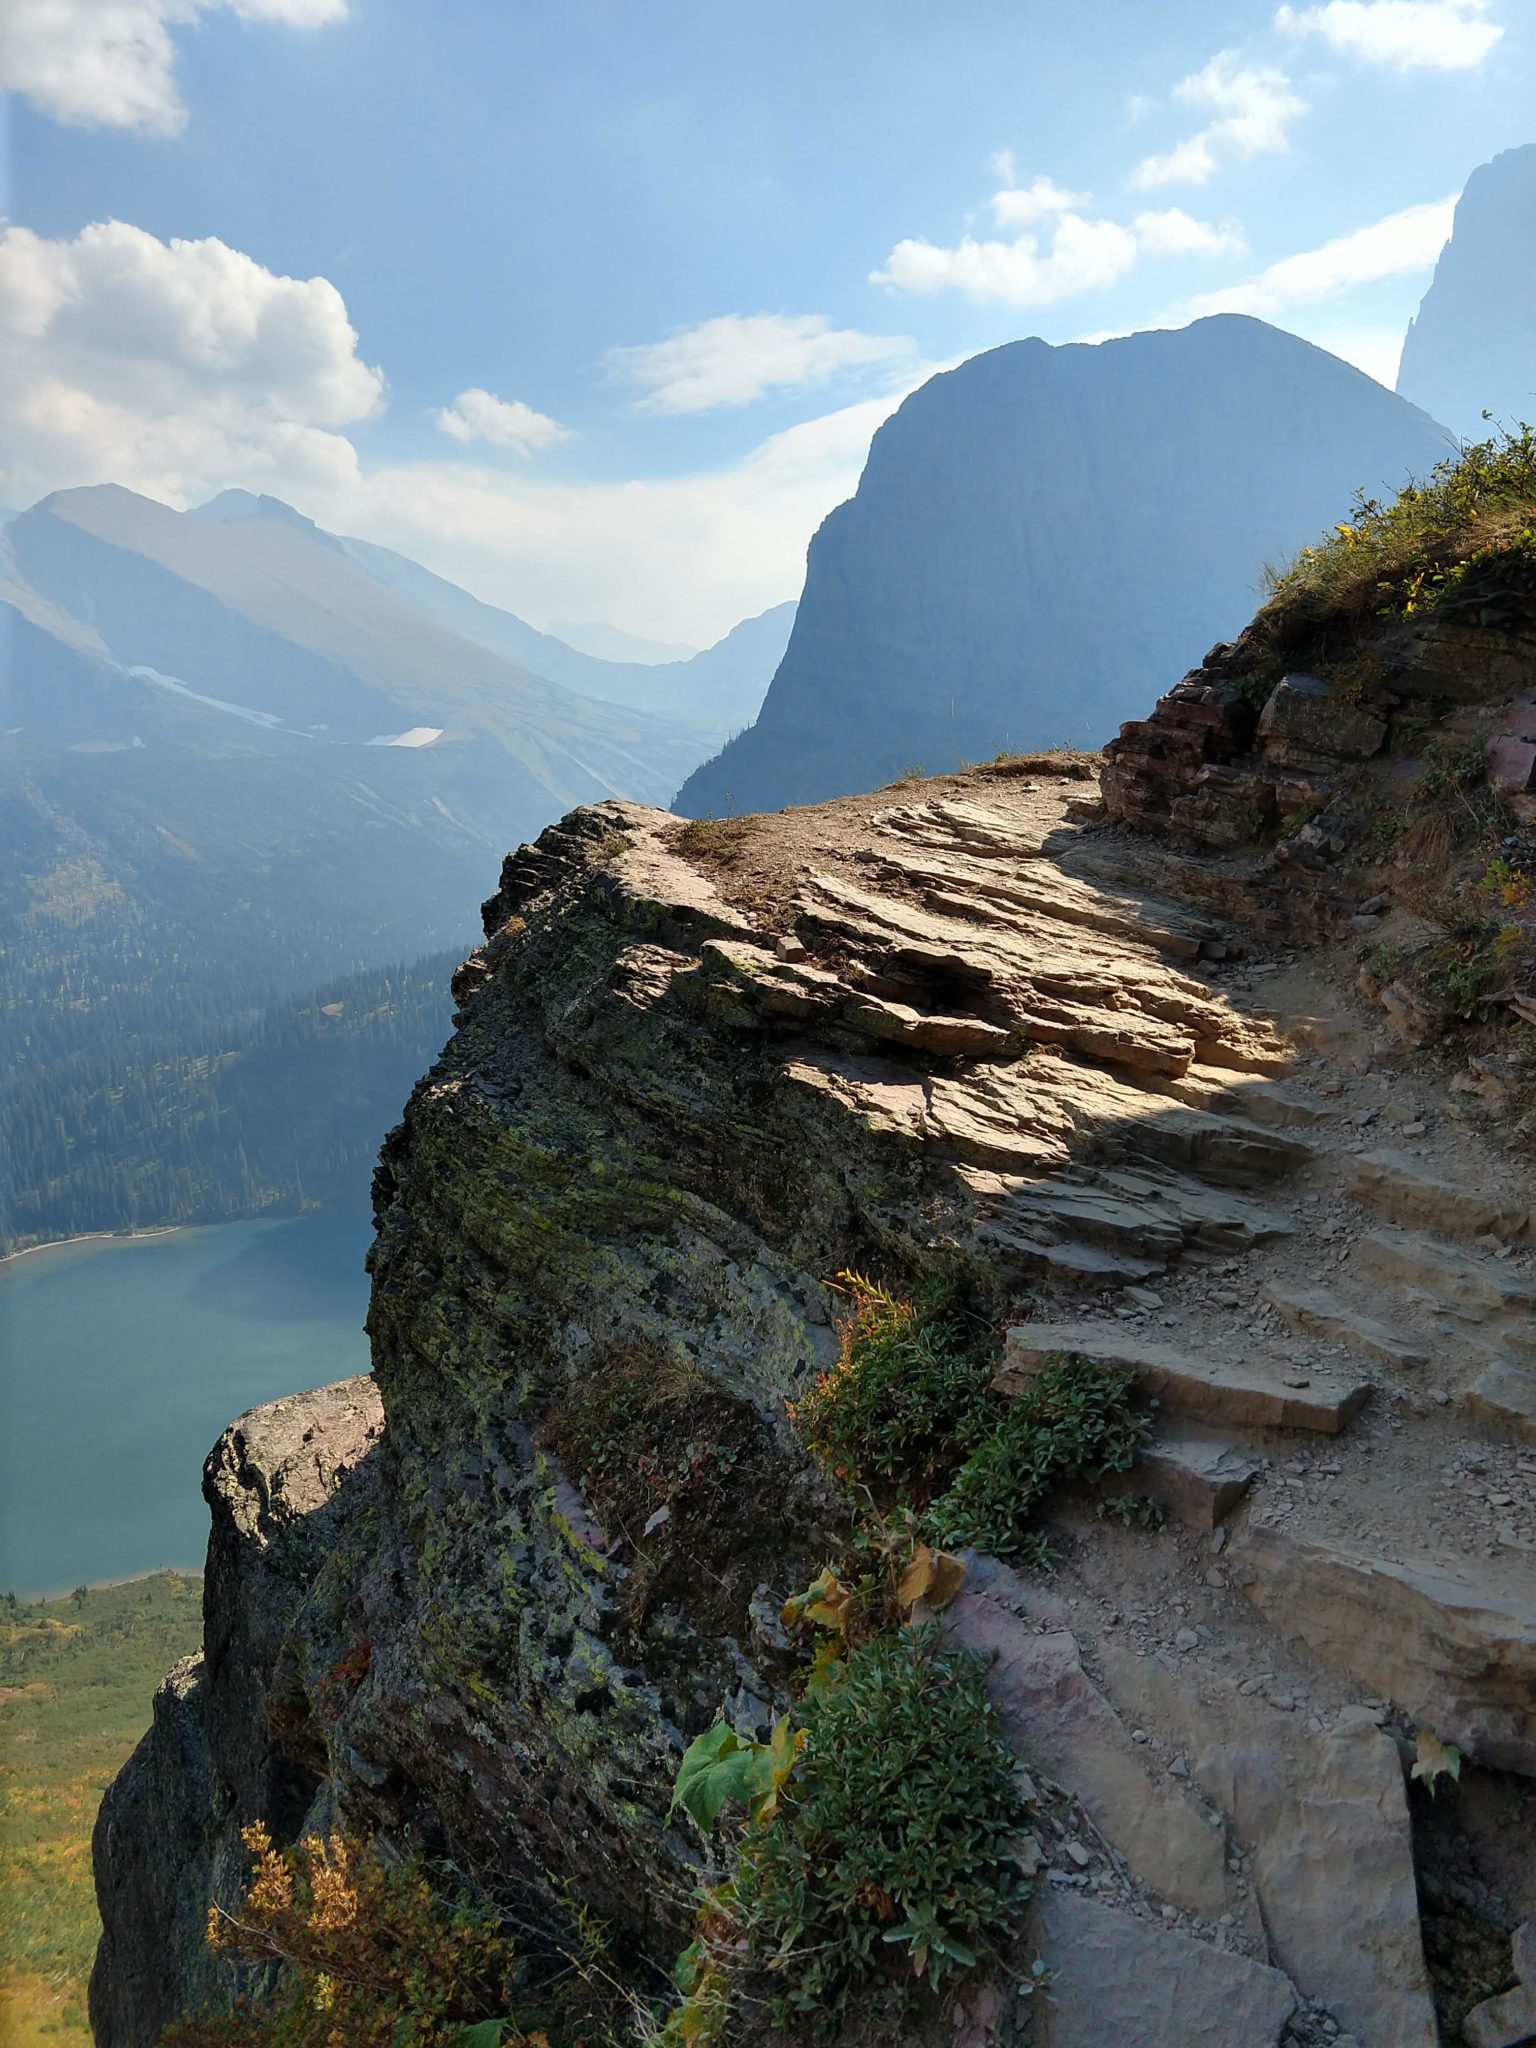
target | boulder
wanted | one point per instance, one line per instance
(1306, 721)
(1454, 1646)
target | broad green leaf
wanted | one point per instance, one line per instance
(717, 1766)
(483, 2034)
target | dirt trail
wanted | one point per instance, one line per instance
(1212, 1163)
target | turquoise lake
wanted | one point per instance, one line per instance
(121, 1360)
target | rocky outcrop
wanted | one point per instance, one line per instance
(220, 1754)
(963, 1028)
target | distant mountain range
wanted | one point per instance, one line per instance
(1045, 538)
(240, 756)
(1472, 348)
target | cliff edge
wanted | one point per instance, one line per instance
(962, 1025)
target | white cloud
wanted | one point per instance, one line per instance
(1395, 247)
(740, 356)
(173, 367)
(1404, 35)
(481, 416)
(1082, 255)
(1173, 232)
(111, 63)
(673, 558)
(1253, 108)
(1020, 206)
(179, 368)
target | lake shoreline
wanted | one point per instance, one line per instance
(59, 1244)
(158, 1571)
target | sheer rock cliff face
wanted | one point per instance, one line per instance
(1471, 349)
(961, 1025)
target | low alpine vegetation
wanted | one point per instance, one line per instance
(909, 1413)
(873, 1848)
(1469, 525)
(373, 1954)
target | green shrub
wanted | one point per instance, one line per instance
(910, 1392)
(884, 1856)
(1075, 1421)
(910, 1412)
(1471, 522)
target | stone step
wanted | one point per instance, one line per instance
(1399, 1188)
(1504, 1394)
(1070, 1260)
(1275, 1103)
(1135, 1983)
(1439, 1273)
(1454, 1646)
(1226, 1390)
(1060, 1724)
(1198, 1476)
(1210, 1217)
(1321, 1314)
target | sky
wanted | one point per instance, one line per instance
(593, 305)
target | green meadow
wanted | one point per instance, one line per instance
(77, 1676)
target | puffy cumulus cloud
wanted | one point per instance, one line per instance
(1252, 108)
(172, 367)
(481, 416)
(1173, 232)
(1020, 206)
(741, 356)
(1397, 246)
(112, 63)
(1404, 35)
(674, 558)
(1080, 255)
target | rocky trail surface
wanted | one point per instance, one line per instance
(963, 1024)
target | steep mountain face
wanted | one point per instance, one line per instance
(1041, 535)
(1472, 347)
(717, 690)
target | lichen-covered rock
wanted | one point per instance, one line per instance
(221, 1752)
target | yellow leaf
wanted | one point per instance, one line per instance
(917, 1577)
(1435, 1759)
(933, 1575)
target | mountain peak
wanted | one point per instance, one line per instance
(1472, 347)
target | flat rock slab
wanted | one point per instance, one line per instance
(1324, 1818)
(1061, 1724)
(1454, 1646)
(1198, 1478)
(1398, 1188)
(1440, 1273)
(1120, 1982)
(1218, 1390)
(1322, 1314)
(1505, 1395)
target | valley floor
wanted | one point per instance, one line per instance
(76, 1680)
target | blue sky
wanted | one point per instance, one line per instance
(593, 304)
